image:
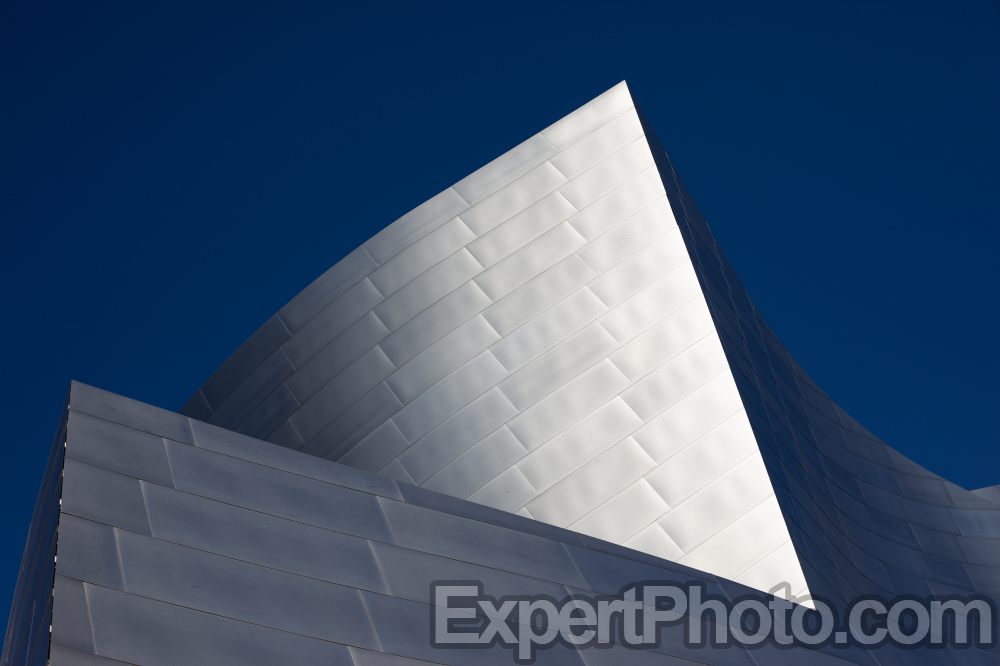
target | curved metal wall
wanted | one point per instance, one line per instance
(864, 518)
(534, 339)
(26, 642)
(544, 265)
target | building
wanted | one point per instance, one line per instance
(548, 378)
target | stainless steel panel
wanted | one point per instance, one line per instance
(619, 204)
(607, 569)
(403, 629)
(690, 418)
(285, 435)
(592, 485)
(935, 518)
(981, 552)
(117, 448)
(269, 414)
(244, 360)
(623, 515)
(658, 300)
(576, 445)
(480, 543)
(64, 656)
(928, 491)
(438, 502)
(598, 145)
(456, 434)
(411, 572)
(641, 269)
(720, 503)
(664, 340)
(781, 563)
(589, 117)
(877, 475)
(261, 539)
(614, 654)
(395, 470)
(977, 523)
(704, 460)
(653, 540)
(331, 322)
(252, 391)
(245, 448)
(434, 323)
(629, 237)
(438, 360)
(507, 491)
(539, 294)
(325, 289)
(448, 396)
(422, 255)
(505, 169)
(672, 645)
(568, 404)
(557, 366)
(590, 186)
(196, 407)
(247, 592)
(760, 530)
(477, 466)
(416, 224)
(521, 229)
(429, 287)
(354, 424)
(275, 492)
(70, 619)
(373, 452)
(548, 329)
(371, 658)
(531, 260)
(88, 552)
(152, 633)
(356, 380)
(961, 498)
(96, 494)
(984, 579)
(676, 378)
(516, 197)
(127, 412)
(905, 465)
(336, 356)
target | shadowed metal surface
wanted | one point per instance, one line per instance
(864, 519)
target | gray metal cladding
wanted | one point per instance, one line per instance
(90, 552)
(991, 493)
(283, 571)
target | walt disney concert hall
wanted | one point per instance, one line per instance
(546, 382)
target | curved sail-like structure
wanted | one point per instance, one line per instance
(545, 385)
(559, 335)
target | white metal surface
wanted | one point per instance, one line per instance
(539, 343)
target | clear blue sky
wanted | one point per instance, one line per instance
(171, 174)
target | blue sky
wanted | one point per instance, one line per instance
(172, 173)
